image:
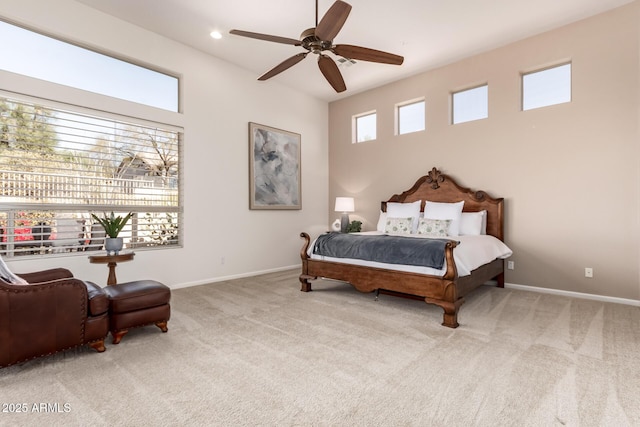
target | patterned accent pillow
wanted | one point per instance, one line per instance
(398, 225)
(434, 227)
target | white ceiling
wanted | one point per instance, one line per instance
(428, 33)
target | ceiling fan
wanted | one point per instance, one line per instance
(319, 40)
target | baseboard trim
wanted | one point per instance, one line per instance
(232, 277)
(582, 295)
(551, 291)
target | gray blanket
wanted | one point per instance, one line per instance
(383, 248)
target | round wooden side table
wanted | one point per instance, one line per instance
(111, 261)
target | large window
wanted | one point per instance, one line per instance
(365, 127)
(35, 55)
(57, 166)
(546, 87)
(471, 104)
(410, 117)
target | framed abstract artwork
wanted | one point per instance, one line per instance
(274, 168)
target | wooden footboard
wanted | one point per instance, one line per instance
(441, 291)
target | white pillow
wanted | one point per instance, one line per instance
(405, 210)
(8, 276)
(399, 225)
(473, 223)
(452, 211)
(382, 221)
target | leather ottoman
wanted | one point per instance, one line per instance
(135, 304)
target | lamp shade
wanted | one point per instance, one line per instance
(344, 204)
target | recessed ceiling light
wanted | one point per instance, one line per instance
(216, 34)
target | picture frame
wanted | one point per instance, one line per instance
(274, 168)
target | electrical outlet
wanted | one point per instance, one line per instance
(221, 260)
(588, 272)
(511, 265)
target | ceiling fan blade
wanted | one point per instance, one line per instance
(266, 37)
(332, 21)
(287, 63)
(366, 54)
(331, 73)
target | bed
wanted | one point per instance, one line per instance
(445, 288)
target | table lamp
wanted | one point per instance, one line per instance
(344, 205)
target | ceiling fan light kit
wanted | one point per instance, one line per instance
(318, 40)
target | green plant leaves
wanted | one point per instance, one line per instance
(112, 224)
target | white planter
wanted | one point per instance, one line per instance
(113, 245)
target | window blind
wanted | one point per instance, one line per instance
(58, 166)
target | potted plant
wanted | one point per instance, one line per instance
(354, 227)
(113, 225)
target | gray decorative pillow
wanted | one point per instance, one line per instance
(398, 225)
(434, 227)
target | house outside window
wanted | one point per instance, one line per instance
(59, 166)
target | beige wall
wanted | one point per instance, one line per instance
(569, 173)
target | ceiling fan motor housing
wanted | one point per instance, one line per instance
(312, 43)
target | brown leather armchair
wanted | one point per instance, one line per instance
(54, 312)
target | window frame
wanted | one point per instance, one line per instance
(42, 92)
(155, 225)
(355, 136)
(111, 58)
(523, 75)
(398, 118)
(468, 89)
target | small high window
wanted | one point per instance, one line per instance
(471, 104)
(410, 117)
(546, 87)
(365, 127)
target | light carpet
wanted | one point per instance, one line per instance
(257, 351)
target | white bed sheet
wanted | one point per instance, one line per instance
(471, 253)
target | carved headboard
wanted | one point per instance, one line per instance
(438, 187)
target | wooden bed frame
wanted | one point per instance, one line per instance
(446, 291)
